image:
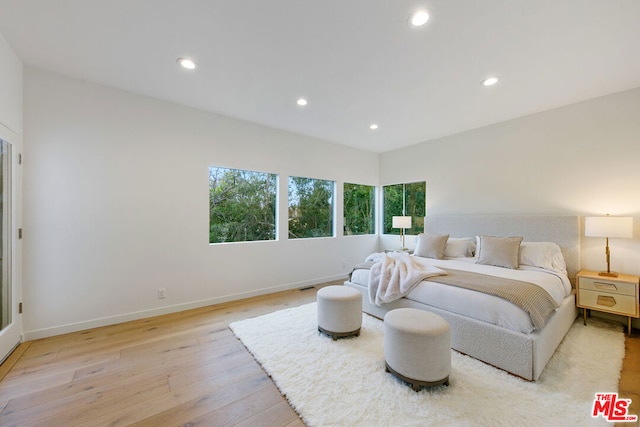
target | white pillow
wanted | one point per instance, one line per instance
(499, 251)
(545, 255)
(459, 247)
(430, 245)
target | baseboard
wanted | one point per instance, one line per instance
(126, 317)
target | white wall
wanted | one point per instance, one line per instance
(116, 206)
(581, 159)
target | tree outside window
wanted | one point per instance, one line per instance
(242, 205)
(359, 209)
(404, 199)
(310, 207)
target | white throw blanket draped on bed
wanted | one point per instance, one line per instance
(395, 274)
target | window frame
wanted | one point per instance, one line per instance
(271, 182)
(417, 216)
(332, 209)
(373, 203)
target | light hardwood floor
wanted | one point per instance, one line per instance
(182, 369)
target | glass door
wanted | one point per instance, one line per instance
(10, 328)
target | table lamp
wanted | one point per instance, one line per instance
(401, 222)
(608, 226)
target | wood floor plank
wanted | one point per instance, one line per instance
(13, 358)
(83, 389)
(75, 408)
(221, 406)
(56, 364)
(296, 423)
(204, 394)
(20, 386)
(279, 414)
(260, 401)
(220, 366)
(87, 361)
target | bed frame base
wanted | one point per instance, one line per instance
(523, 355)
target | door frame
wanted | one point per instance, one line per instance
(11, 336)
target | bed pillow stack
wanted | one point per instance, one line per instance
(507, 252)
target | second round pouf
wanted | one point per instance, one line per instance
(417, 347)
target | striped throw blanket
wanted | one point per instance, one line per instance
(528, 296)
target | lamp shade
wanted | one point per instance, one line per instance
(401, 222)
(608, 226)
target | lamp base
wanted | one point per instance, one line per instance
(608, 274)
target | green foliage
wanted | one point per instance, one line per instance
(393, 203)
(310, 207)
(359, 207)
(404, 199)
(242, 205)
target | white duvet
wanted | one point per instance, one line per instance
(478, 305)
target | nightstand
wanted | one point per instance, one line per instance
(617, 295)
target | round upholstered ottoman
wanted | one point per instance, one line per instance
(339, 311)
(417, 347)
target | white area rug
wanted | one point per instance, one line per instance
(344, 383)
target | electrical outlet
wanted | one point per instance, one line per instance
(162, 293)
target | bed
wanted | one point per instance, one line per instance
(491, 329)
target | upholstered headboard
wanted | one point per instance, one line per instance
(563, 230)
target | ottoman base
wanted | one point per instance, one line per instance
(336, 335)
(416, 384)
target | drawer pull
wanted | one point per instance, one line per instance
(607, 301)
(605, 286)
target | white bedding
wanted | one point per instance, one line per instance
(478, 305)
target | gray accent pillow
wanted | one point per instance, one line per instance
(430, 245)
(499, 251)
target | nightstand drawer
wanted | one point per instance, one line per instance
(607, 301)
(609, 287)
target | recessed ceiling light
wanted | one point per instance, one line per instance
(373, 126)
(490, 81)
(187, 63)
(301, 102)
(419, 18)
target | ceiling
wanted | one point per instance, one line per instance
(357, 62)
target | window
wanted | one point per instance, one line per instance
(310, 207)
(242, 205)
(404, 199)
(359, 208)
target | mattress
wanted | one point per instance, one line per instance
(477, 305)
